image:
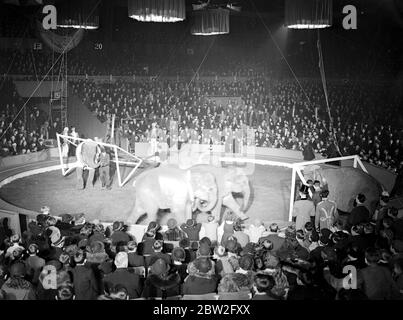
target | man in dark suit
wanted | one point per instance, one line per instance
(122, 276)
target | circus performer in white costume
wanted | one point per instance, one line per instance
(65, 145)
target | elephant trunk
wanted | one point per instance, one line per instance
(246, 196)
(206, 203)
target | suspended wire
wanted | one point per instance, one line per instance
(201, 63)
(198, 68)
(47, 73)
(280, 51)
(324, 85)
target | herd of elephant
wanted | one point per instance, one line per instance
(210, 189)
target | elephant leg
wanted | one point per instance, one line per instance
(231, 203)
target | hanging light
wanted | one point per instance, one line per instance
(210, 22)
(78, 14)
(308, 14)
(157, 10)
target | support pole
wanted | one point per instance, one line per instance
(292, 195)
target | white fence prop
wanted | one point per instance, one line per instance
(67, 168)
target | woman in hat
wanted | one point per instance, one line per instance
(201, 280)
(16, 287)
(161, 281)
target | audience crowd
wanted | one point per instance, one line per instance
(66, 257)
(281, 114)
(22, 132)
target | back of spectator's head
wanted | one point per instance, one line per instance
(291, 232)
(246, 262)
(65, 292)
(17, 270)
(204, 250)
(231, 245)
(360, 198)
(372, 256)
(203, 265)
(178, 254)
(273, 227)
(308, 226)
(117, 226)
(205, 240)
(119, 292)
(300, 235)
(184, 243)
(132, 245)
(263, 282)
(324, 194)
(121, 260)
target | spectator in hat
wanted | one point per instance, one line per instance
(291, 249)
(274, 237)
(98, 233)
(202, 281)
(65, 292)
(158, 254)
(303, 210)
(161, 282)
(174, 233)
(246, 264)
(16, 287)
(33, 263)
(15, 246)
(134, 259)
(118, 292)
(360, 213)
(376, 281)
(190, 254)
(86, 286)
(239, 234)
(192, 230)
(118, 233)
(122, 276)
(262, 286)
(225, 264)
(178, 261)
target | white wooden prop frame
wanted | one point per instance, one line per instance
(68, 168)
(297, 169)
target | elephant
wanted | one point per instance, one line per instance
(88, 158)
(169, 187)
(346, 183)
(202, 187)
(229, 180)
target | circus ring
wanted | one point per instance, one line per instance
(37, 181)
